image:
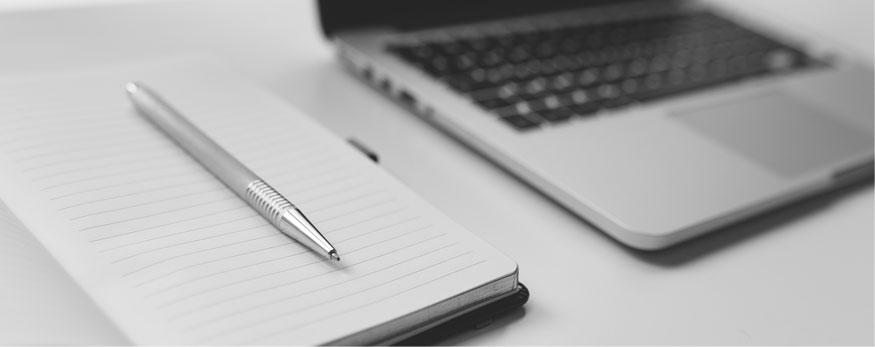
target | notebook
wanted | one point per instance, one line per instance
(152, 244)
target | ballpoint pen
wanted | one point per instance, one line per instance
(249, 187)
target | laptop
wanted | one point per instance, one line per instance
(656, 120)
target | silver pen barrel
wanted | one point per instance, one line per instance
(287, 218)
(261, 196)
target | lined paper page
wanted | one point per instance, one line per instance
(181, 259)
(39, 303)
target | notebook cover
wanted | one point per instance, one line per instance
(473, 320)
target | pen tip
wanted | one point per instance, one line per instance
(334, 255)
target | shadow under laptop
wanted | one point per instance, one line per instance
(746, 230)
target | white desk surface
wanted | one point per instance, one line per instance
(803, 275)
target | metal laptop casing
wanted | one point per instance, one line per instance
(640, 174)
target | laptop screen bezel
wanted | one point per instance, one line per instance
(338, 15)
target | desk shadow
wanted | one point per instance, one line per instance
(746, 230)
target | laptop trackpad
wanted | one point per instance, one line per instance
(779, 132)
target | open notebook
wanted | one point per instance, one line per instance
(150, 240)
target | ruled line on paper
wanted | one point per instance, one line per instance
(351, 309)
(246, 217)
(132, 168)
(187, 183)
(226, 271)
(267, 155)
(352, 199)
(92, 190)
(229, 128)
(227, 300)
(367, 211)
(151, 202)
(371, 218)
(164, 260)
(187, 267)
(169, 258)
(131, 256)
(383, 227)
(292, 145)
(310, 171)
(329, 193)
(117, 174)
(140, 157)
(51, 150)
(188, 219)
(356, 209)
(186, 207)
(311, 291)
(309, 161)
(347, 252)
(310, 306)
(340, 242)
(307, 186)
(37, 295)
(59, 127)
(154, 189)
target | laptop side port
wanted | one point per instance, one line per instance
(382, 83)
(386, 86)
(407, 99)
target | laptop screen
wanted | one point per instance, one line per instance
(407, 14)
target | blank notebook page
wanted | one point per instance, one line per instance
(39, 303)
(173, 256)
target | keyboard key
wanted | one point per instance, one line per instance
(551, 102)
(613, 72)
(465, 62)
(501, 74)
(495, 103)
(438, 66)
(562, 82)
(493, 58)
(588, 77)
(464, 83)
(608, 91)
(503, 92)
(451, 48)
(630, 85)
(520, 108)
(520, 122)
(617, 102)
(479, 44)
(549, 74)
(557, 115)
(586, 109)
(534, 88)
(519, 54)
(636, 68)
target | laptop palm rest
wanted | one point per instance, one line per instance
(779, 132)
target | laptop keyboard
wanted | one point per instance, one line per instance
(533, 78)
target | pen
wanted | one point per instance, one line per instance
(262, 197)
